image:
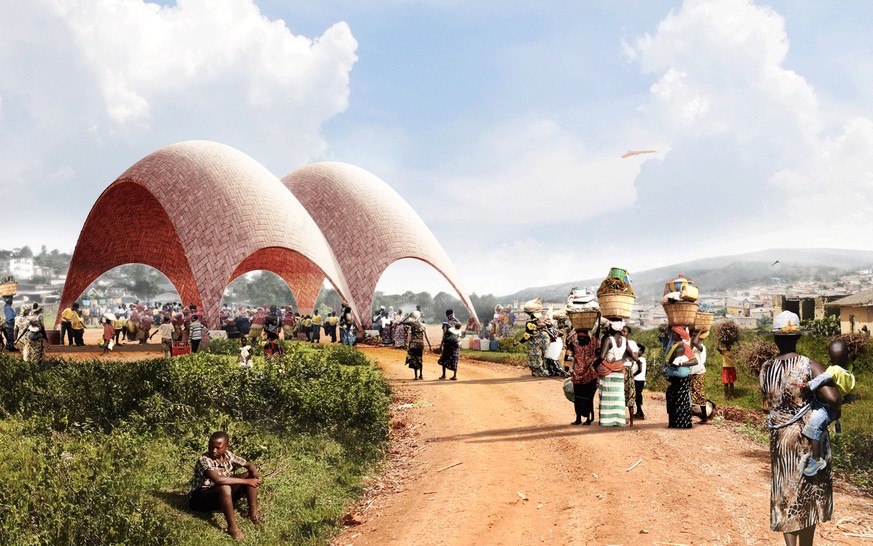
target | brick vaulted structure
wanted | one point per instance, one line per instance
(368, 226)
(203, 214)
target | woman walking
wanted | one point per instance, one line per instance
(678, 363)
(536, 338)
(697, 375)
(797, 502)
(35, 339)
(399, 330)
(415, 348)
(612, 375)
(584, 349)
(451, 347)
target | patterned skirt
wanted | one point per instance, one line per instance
(414, 357)
(612, 400)
(630, 389)
(679, 403)
(698, 389)
(449, 357)
(536, 354)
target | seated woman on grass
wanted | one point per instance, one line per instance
(216, 487)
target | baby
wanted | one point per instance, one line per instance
(821, 416)
(245, 352)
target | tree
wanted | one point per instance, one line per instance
(25, 252)
(145, 289)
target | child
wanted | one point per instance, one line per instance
(215, 486)
(108, 336)
(728, 370)
(245, 352)
(822, 415)
(166, 329)
(640, 381)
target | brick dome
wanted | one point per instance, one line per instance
(203, 213)
(368, 226)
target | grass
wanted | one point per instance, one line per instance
(113, 467)
(494, 356)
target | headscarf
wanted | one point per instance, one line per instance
(416, 315)
(681, 332)
(616, 325)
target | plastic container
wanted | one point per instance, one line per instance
(494, 345)
(484, 344)
(466, 342)
(475, 346)
(618, 273)
(554, 350)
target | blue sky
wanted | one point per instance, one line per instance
(502, 123)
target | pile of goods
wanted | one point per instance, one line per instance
(727, 334)
(582, 308)
(8, 286)
(680, 302)
(704, 317)
(616, 295)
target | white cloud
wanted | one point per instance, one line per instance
(90, 87)
(722, 80)
(534, 171)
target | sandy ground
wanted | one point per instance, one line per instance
(527, 477)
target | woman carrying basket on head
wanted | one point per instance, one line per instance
(612, 376)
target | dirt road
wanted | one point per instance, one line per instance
(527, 477)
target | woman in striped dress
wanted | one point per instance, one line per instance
(611, 371)
(797, 502)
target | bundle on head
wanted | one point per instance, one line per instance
(727, 333)
(611, 285)
(757, 352)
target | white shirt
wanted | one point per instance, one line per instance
(641, 374)
(699, 368)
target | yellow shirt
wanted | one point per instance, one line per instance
(307, 323)
(333, 321)
(76, 322)
(68, 314)
(316, 320)
(727, 360)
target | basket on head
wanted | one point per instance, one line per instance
(8, 289)
(583, 320)
(616, 305)
(681, 313)
(703, 321)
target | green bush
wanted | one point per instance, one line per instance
(223, 347)
(510, 345)
(100, 452)
(343, 354)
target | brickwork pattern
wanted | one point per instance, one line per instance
(196, 211)
(368, 225)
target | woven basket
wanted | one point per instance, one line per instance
(616, 305)
(681, 313)
(703, 321)
(583, 320)
(8, 289)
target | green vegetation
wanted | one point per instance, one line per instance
(101, 452)
(852, 453)
(494, 356)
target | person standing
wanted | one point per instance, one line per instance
(35, 340)
(67, 321)
(195, 333)
(640, 381)
(728, 370)
(678, 363)
(399, 330)
(108, 335)
(288, 323)
(9, 327)
(415, 348)
(536, 338)
(317, 321)
(584, 349)
(612, 377)
(347, 326)
(698, 376)
(166, 331)
(797, 503)
(77, 325)
(451, 347)
(331, 324)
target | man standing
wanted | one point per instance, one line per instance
(67, 322)
(316, 326)
(9, 329)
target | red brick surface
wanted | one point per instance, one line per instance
(369, 226)
(202, 213)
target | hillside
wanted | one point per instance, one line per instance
(726, 273)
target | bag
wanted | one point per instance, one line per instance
(111, 344)
(453, 334)
(569, 390)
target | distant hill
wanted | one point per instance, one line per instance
(724, 273)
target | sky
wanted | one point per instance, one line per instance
(501, 122)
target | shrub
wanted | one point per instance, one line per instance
(223, 347)
(510, 345)
(343, 354)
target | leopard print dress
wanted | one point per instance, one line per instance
(796, 501)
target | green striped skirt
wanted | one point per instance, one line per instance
(612, 403)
